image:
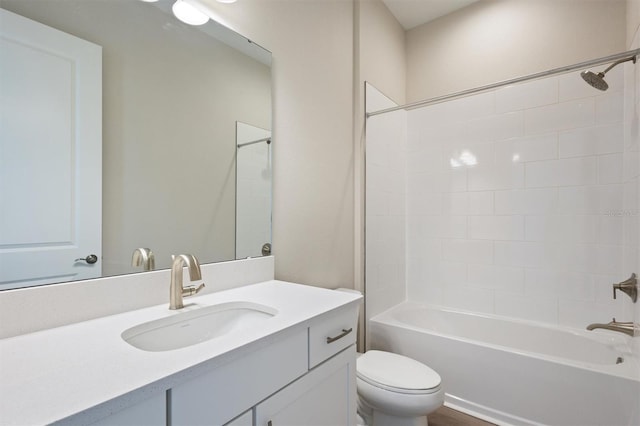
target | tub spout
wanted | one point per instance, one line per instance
(623, 327)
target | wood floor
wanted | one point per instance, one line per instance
(445, 416)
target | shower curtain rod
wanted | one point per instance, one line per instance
(568, 68)
(267, 140)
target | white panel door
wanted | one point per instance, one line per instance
(50, 154)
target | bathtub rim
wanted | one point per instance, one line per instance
(629, 369)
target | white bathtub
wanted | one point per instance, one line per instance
(517, 372)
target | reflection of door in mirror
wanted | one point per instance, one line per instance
(50, 154)
(253, 190)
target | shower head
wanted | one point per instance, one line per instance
(597, 79)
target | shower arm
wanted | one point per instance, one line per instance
(631, 58)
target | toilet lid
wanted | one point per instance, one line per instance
(396, 371)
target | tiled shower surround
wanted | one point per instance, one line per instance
(520, 202)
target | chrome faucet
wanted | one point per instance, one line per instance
(623, 327)
(144, 257)
(177, 291)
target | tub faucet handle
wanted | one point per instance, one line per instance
(628, 286)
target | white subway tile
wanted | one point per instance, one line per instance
(605, 199)
(377, 178)
(527, 95)
(541, 201)
(376, 153)
(429, 203)
(530, 148)
(423, 291)
(510, 202)
(480, 202)
(470, 155)
(453, 272)
(510, 253)
(610, 168)
(426, 159)
(566, 115)
(503, 278)
(591, 141)
(496, 177)
(577, 286)
(610, 108)
(577, 171)
(453, 226)
(576, 256)
(630, 197)
(608, 259)
(468, 251)
(630, 232)
(454, 180)
(580, 229)
(495, 127)
(630, 165)
(542, 282)
(496, 227)
(565, 172)
(388, 274)
(542, 174)
(469, 298)
(422, 246)
(542, 309)
(432, 226)
(397, 204)
(455, 203)
(374, 228)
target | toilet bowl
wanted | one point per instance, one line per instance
(394, 390)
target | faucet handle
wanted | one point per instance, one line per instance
(628, 286)
(191, 290)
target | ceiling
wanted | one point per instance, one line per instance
(411, 13)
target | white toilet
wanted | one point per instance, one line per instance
(394, 390)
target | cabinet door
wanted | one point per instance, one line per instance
(219, 395)
(325, 396)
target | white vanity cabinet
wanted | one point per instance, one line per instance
(304, 377)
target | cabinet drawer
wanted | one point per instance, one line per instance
(332, 333)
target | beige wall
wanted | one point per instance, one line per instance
(313, 156)
(494, 40)
(381, 54)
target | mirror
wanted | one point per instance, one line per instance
(170, 99)
(253, 191)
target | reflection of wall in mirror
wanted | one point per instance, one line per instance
(171, 99)
(253, 199)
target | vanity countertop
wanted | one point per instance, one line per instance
(82, 372)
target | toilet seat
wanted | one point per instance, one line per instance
(397, 373)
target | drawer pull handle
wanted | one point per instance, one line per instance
(339, 336)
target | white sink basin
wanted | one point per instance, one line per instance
(196, 326)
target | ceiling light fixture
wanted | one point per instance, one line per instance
(188, 14)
